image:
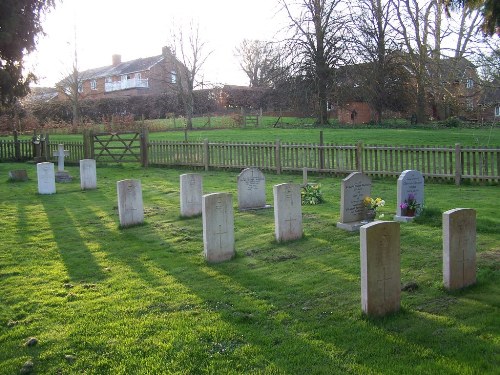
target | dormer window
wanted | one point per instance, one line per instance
(469, 83)
(93, 84)
(173, 75)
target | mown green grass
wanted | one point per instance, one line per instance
(143, 301)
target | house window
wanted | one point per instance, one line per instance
(93, 84)
(173, 75)
(497, 111)
(137, 75)
(80, 87)
(109, 79)
(469, 83)
(469, 103)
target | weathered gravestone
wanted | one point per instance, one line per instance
(130, 206)
(46, 178)
(251, 189)
(410, 187)
(61, 174)
(218, 227)
(88, 175)
(287, 212)
(18, 175)
(459, 248)
(380, 268)
(191, 194)
(354, 189)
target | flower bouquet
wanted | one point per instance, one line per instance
(371, 207)
(410, 206)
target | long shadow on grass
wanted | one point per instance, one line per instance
(80, 263)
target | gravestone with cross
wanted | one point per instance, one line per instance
(251, 189)
(218, 227)
(130, 206)
(354, 188)
(380, 268)
(88, 175)
(459, 248)
(46, 178)
(191, 193)
(287, 212)
(61, 174)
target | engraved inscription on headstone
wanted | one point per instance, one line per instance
(354, 189)
(88, 174)
(251, 189)
(410, 182)
(130, 205)
(46, 178)
(287, 212)
(191, 194)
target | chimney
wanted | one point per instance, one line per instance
(166, 51)
(117, 59)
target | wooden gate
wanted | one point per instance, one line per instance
(124, 147)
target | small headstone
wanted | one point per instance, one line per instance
(191, 194)
(380, 268)
(354, 189)
(251, 189)
(61, 174)
(130, 206)
(218, 227)
(46, 178)
(18, 175)
(410, 186)
(459, 248)
(287, 212)
(88, 175)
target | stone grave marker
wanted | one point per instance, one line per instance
(354, 189)
(88, 175)
(380, 268)
(459, 248)
(18, 175)
(61, 174)
(46, 178)
(410, 183)
(287, 212)
(191, 194)
(251, 189)
(218, 227)
(130, 206)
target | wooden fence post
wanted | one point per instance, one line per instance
(321, 151)
(144, 147)
(458, 164)
(359, 156)
(206, 154)
(277, 156)
(17, 147)
(46, 148)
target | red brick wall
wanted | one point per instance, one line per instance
(363, 113)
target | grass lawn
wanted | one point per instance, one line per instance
(105, 300)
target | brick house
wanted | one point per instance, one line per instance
(144, 76)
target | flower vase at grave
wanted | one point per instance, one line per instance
(410, 212)
(370, 214)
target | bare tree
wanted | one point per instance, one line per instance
(316, 43)
(259, 60)
(191, 50)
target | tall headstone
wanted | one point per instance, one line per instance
(251, 189)
(410, 183)
(218, 227)
(46, 178)
(380, 268)
(130, 206)
(191, 194)
(61, 174)
(88, 175)
(354, 189)
(287, 212)
(459, 248)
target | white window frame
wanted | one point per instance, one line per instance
(80, 87)
(173, 76)
(497, 110)
(137, 76)
(469, 83)
(93, 85)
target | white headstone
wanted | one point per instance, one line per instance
(130, 206)
(410, 185)
(251, 189)
(287, 212)
(46, 178)
(380, 268)
(60, 154)
(191, 194)
(354, 189)
(459, 248)
(218, 227)
(88, 175)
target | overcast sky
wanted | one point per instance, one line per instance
(137, 29)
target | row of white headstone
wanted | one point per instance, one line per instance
(46, 176)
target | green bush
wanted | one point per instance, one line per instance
(311, 194)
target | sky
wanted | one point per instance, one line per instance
(135, 29)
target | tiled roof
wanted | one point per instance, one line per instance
(127, 67)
